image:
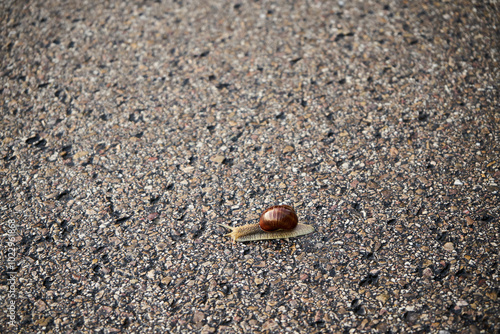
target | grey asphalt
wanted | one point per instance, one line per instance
(130, 130)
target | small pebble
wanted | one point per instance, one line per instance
(448, 246)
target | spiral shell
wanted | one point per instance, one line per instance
(278, 217)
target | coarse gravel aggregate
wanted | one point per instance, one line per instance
(131, 129)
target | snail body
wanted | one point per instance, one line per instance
(276, 222)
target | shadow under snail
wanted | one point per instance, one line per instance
(276, 222)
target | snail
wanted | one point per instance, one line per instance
(276, 222)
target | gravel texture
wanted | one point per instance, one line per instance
(130, 130)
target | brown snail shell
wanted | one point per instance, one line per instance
(278, 217)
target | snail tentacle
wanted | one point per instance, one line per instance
(240, 231)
